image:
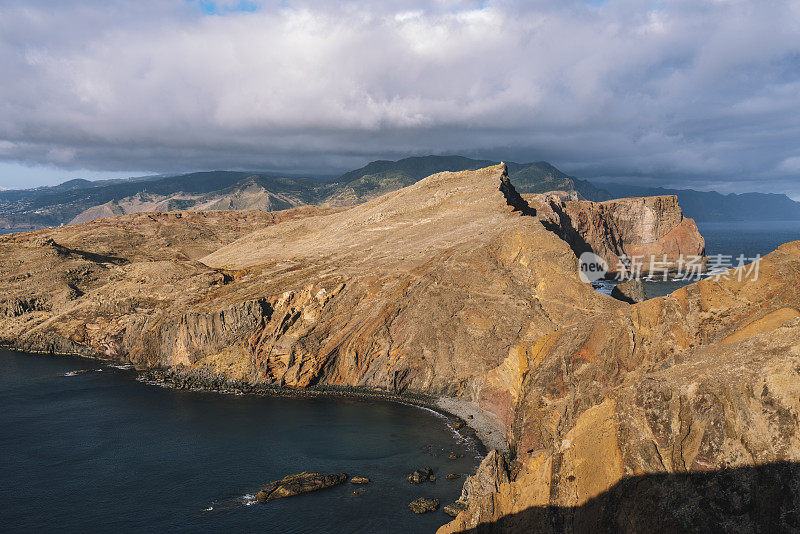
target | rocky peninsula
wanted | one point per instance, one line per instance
(680, 411)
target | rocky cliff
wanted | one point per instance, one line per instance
(676, 414)
(650, 231)
(676, 411)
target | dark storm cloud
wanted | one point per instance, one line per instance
(668, 92)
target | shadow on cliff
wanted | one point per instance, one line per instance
(751, 499)
(566, 231)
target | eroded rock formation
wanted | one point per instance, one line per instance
(649, 231)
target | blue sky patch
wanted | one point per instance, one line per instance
(208, 7)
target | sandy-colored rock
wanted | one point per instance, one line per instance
(421, 290)
(630, 291)
(681, 412)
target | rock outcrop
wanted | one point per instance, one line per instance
(679, 411)
(292, 485)
(650, 232)
(420, 476)
(630, 291)
(423, 505)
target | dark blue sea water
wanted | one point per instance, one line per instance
(99, 451)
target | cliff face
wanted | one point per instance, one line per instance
(680, 411)
(617, 415)
(637, 227)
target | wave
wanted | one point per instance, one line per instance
(81, 371)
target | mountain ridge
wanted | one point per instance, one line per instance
(80, 200)
(715, 206)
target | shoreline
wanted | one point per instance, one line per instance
(482, 427)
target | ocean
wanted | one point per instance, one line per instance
(86, 447)
(13, 230)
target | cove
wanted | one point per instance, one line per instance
(87, 447)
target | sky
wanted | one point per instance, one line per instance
(679, 93)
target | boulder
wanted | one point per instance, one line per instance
(424, 505)
(359, 480)
(452, 476)
(420, 475)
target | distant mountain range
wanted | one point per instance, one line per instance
(83, 200)
(713, 206)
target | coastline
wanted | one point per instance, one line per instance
(482, 428)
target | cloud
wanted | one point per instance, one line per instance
(668, 92)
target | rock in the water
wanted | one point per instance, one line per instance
(298, 484)
(454, 456)
(458, 425)
(452, 476)
(420, 475)
(424, 505)
(359, 480)
(455, 508)
(630, 291)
